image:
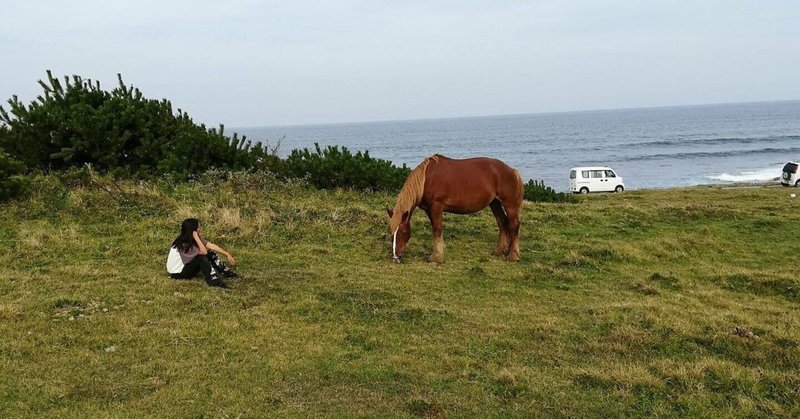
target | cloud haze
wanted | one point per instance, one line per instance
(248, 63)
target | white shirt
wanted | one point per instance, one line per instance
(174, 262)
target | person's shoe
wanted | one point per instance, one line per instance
(221, 267)
(218, 283)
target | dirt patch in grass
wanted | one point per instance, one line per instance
(644, 289)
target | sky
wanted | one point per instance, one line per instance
(260, 63)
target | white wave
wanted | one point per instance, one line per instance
(753, 176)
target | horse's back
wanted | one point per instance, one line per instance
(468, 185)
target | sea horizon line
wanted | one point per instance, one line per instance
(514, 115)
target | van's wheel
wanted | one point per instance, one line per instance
(585, 190)
(797, 184)
(619, 189)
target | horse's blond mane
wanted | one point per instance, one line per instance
(411, 193)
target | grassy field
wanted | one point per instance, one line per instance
(622, 305)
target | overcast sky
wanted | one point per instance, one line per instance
(254, 63)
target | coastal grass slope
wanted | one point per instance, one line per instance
(661, 302)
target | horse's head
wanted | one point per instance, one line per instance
(401, 235)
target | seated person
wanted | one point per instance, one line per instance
(190, 254)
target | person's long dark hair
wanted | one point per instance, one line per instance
(185, 240)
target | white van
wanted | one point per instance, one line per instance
(594, 179)
(789, 176)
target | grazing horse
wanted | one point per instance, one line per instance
(440, 184)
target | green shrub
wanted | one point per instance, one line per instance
(12, 180)
(77, 123)
(334, 167)
(536, 191)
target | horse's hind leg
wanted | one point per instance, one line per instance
(502, 226)
(435, 215)
(513, 231)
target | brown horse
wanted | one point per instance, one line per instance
(440, 184)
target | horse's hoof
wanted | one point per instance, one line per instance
(513, 258)
(435, 259)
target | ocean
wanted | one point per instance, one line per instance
(649, 147)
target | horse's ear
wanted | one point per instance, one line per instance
(405, 217)
(390, 212)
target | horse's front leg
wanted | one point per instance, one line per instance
(435, 215)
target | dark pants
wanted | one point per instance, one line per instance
(209, 265)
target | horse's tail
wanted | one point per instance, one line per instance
(520, 185)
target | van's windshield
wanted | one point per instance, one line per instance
(790, 167)
(572, 174)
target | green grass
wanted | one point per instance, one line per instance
(622, 305)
